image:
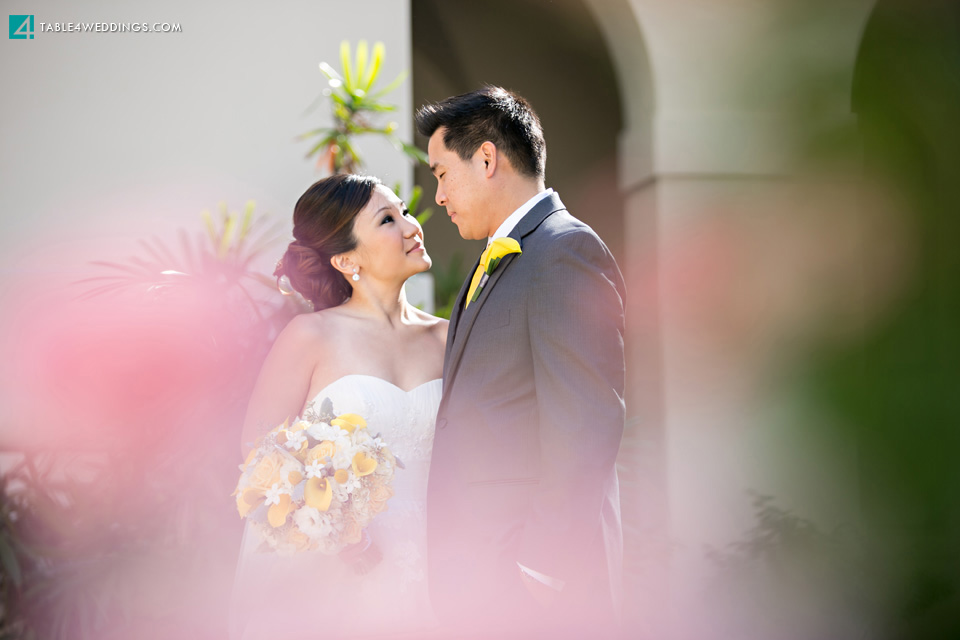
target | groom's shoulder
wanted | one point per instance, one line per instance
(562, 230)
(562, 222)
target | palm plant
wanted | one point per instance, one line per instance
(355, 104)
(224, 257)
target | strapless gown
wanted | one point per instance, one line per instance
(311, 595)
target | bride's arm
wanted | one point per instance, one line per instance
(284, 379)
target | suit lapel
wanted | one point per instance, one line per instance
(468, 316)
(455, 322)
(462, 320)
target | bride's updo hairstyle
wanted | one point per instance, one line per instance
(323, 227)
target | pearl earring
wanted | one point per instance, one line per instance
(356, 276)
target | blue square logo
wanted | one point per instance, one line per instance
(21, 27)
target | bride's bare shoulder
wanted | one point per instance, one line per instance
(436, 326)
(440, 329)
(311, 329)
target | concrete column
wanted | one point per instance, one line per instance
(731, 234)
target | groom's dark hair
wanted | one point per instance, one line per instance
(494, 114)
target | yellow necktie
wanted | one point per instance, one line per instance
(478, 274)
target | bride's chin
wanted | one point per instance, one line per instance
(423, 264)
(421, 268)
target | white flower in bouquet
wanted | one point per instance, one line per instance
(315, 469)
(313, 522)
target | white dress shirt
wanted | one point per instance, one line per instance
(508, 225)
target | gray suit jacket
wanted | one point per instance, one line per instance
(528, 429)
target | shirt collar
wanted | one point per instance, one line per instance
(508, 225)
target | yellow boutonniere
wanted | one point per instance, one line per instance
(489, 261)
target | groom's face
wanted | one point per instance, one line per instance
(461, 187)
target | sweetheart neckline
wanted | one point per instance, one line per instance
(383, 380)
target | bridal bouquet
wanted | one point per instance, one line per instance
(316, 484)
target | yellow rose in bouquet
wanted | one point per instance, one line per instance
(266, 472)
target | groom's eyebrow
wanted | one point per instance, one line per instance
(433, 167)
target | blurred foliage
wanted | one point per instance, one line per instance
(898, 382)
(93, 540)
(413, 204)
(354, 105)
(100, 527)
(16, 559)
(786, 575)
(447, 283)
(224, 258)
(894, 383)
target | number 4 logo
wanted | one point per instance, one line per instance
(21, 27)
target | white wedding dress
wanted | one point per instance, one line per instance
(319, 596)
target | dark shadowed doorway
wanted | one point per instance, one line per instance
(553, 54)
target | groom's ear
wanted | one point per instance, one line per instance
(489, 155)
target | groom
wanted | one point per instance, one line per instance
(523, 502)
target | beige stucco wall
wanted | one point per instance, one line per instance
(113, 137)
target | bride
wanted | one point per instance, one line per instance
(372, 353)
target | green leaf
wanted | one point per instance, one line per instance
(378, 50)
(341, 112)
(228, 229)
(390, 87)
(247, 218)
(379, 107)
(423, 216)
(315, 132)
(118, 266)
(107, 288)
(409, 149)
(152, 251)
(415, 194)
(330, 72)
(348, 148)
(345, 64)
(320, 145)
(8, 558)
(416, 153)
(165, 251)
(361, 129)
(313, 105)
(208, 223)
(361, 64)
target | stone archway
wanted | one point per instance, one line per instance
(556, 57)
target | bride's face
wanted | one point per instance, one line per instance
(390, 240)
